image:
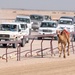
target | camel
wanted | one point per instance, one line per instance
(63, 40)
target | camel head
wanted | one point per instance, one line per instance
(58, 32)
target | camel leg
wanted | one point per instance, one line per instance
(60, 49)
(64, 51)
(68, 48)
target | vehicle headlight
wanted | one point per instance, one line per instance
(12, 36)
(68, 29)
(71, 29)
(53, 31)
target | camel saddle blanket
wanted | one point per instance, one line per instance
(66, 31)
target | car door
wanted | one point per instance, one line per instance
(24, 29)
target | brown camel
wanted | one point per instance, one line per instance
(63, 40)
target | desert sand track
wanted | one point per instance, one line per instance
(40, 66)
(49, 65)
(36, 65)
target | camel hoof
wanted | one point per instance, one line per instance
(68, 54)
(64, 56)
(59, 55)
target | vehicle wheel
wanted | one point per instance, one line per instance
(34, 29)
(27, 40)
(14, 45)
(74, 38)
(23, 42)
(29, 31)
(4, 45)
(55, 38)
(39, 38)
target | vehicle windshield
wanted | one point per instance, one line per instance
(65, 22)
(22, 20)
(47, 17)
(36, 17)
(8, 27)
(48, 24)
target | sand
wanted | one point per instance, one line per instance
(36, 65)
(40, 66)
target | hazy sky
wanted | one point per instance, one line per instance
(39, 4)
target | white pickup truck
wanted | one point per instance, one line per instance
(14, 31)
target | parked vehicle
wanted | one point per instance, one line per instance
(37, 19)
(25, 19)
(68, 23)
(14, 31)
(48, 27)
(47, 17)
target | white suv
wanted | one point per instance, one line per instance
(37, 19)
(68, 23)
(14, 31)
(25, 19)
(48, 27)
